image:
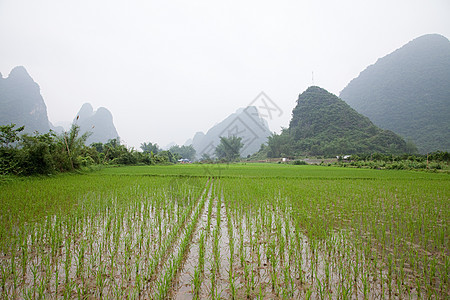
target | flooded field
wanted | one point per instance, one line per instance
(297, 233)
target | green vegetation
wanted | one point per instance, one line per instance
(434, 161)
(40, 154)
(186, 152)
(323, 124)
(51, 153)
(150, 148)
(228, 231)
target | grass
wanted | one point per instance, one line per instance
(262, 230)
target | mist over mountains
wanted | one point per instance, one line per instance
(408, 92)
(99, 123)
(21, 102)
(405, 93)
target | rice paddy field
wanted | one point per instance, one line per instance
(263, 231)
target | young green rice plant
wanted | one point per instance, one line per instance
(196, 283)
(241, 244)
(281, 242)
(213, 276)
(24, 261)
(215, 259)
(68, 260)
(3, 272)
(56, 280)
(365, 279)
(199, 270)
(208, 224)
(252, 279)
(288, 291)
(390, 274)
(34, 271)
(247, 279)
(201, 257)
(273, 266)
(231, 278)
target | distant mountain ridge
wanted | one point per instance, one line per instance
(21, 102)
(245, 123)
(323, 124)
(99, 123)
(408, 92)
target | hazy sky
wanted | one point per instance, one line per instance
(167, 69)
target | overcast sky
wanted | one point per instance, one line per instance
(167, 69)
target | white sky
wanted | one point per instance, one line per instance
(167, 69)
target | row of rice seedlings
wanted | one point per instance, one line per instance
(200, 286)
(177, 257)
(204, 232)
(210, 263)
(200, 269)
(163, 257)
(190, 272)
(231, 239)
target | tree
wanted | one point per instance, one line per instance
(150, 148)
(165, 157)
(279, 145)
(97, 146)
(36, 154)
(116, 153)
(9, 135)
(9, 162)
(411, 147)
(229, 148)
(74, 144)
(184, 151)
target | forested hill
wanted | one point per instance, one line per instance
(408, 92)
(323, 124)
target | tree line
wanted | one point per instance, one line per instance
(49, 153)
(28, 154)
